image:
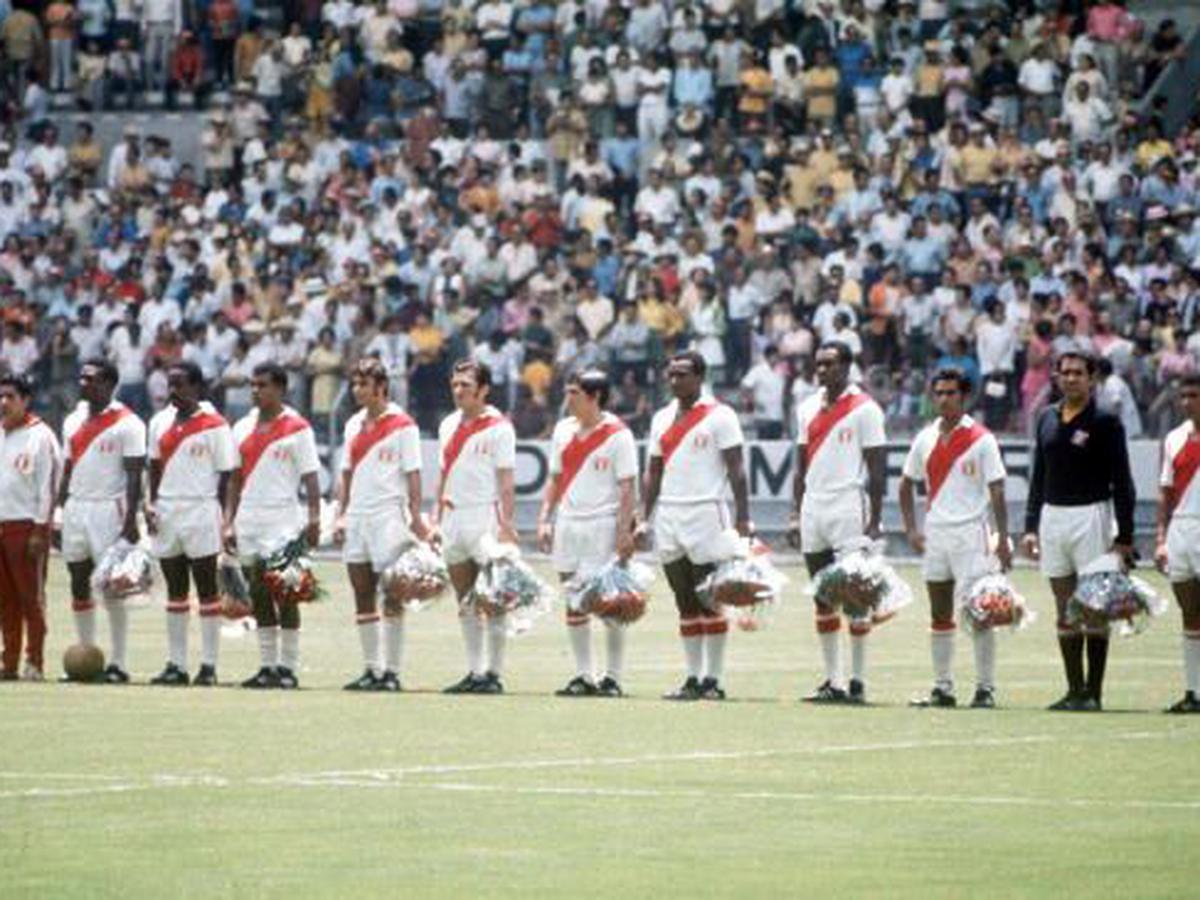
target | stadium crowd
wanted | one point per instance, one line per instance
(550, 186)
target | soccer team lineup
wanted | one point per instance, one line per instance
(189, 506)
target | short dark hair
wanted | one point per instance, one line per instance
(594, 383)
(108, 372)
(841, 348)
(190, 371)
(1076, 353)
(481, 371)
(699, 366)
(273, 372)
(955, 374)
(1191, 379)
(22, 384)
(371, 368)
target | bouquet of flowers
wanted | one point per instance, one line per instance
(991, 602)
(617, 592)
(506, 585)
(748, 583)
(125, 572)
(288, 575)
(1105, 595)
(862, 586)
(235, 592)
(417, 578)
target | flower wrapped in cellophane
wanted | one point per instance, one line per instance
(749, 585)
(617, 592)
(233, 588)
(862, 585)
(1106, 595)
(288, 576)
(992, 602)
(507, 586)
(125, 572)
(416, 579)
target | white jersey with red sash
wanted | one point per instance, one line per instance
(273, 457)
(379, 455)
(97, 447)
(956, 469)
(1181, 470)
(690, 447)
(833, 439)
(590, 468)
(470, 453)
(193, 452)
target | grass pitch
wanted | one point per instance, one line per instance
(138, 792)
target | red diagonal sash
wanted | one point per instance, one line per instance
(386, 425)
(257, 442)
(577, 451)
(94, 427)
(673, 436)
(181, 431)
(1185, 465)
(946, 453)
(826, 418)
(458, 441)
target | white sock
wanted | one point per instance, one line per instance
(715, 635)
(580, 634)
(691, 632)
(472, 632)
(289, 656)
(210, 632)
(858, 656)
(985, 657)
(941, 648)
(118, 627)
(368, 638)
(831, 648)
(393, 643)
(177, 632)
(614, 643)
(85, 621)
(497, 633)
(268, 645)
(1191, 660)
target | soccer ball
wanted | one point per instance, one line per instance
(83, 662)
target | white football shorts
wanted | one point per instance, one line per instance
(1070, 537)
(190, 528)
(958, 553)
(1183, 549)
(90, 527)
(583, 545)
(376, 538)
(463, 531)
(262, 531)
(703, 532)
(830, 523)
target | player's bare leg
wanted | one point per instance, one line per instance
(1187, 593)
(681, 578)
(942, 632)
(175, 574)
(363, 582)
(579, 632)
(267, 621)
(204, 576)
(462, 578)
(84, 606)
(1071, 647)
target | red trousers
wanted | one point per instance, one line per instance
(22, 597)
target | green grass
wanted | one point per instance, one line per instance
(132, 792)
